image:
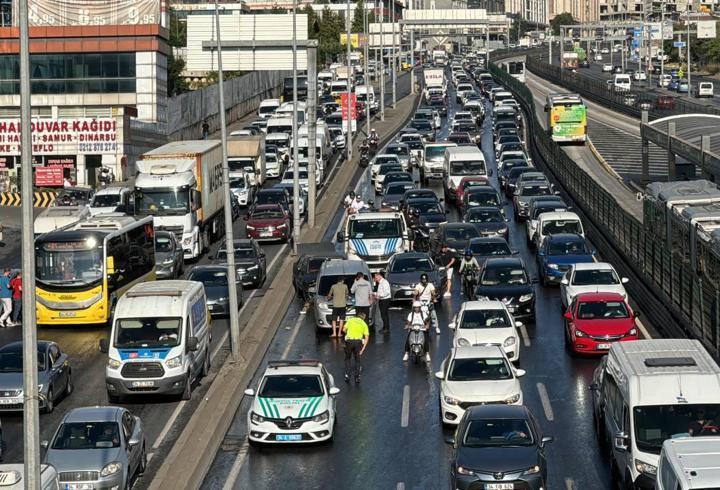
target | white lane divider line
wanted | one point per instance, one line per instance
(400, 486)
(296, 329)
(168, 424)
(525, 336)
(569, 484)
(545, 399)
(237, 466)
(405, 415)
(643, 329)
(150, 456)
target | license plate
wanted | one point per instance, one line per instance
(211, 307)
(10, 401)
(288, 437)
(511, 309)
(408, 292)
(143, 384)
(266, 233)
(78, 486)
(68, 314)
(603, 346)
(499, 486)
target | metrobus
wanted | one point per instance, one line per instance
(82, 269)
(516, 69)
(302, 88)
(567, 118)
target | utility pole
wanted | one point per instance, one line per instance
(229, 239)
(312, 133)
(562, 47)
(31, 418)
(412, 54)
(367, 75)
(295, 137)
(550, 41)
(350, 75)
(688, 48)
(394, 57)
(382, 61)
(662, 39)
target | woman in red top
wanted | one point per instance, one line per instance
(16, 286)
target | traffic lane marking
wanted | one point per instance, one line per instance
(237, 466)
(405, 415)
(545, 399)
(525, 336)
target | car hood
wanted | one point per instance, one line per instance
(392, 198)
(615, 326)
(214, 293)
(489, 227)
(457, 244)
(280, 408)
(244, 264)
(82, 459)
(162, 256)
(481, 391)
(481, 336)
(14, 381)
(409, 278)
(504, 291)
(605, 288)
(498, 459)
(570, 259)
(433, 218)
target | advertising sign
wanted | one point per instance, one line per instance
(80, 136)
(90, 12)
(667, 30)
(49, 176)
(706, 29)
(352, 112)
(356, 40)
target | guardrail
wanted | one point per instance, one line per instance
(677, 300)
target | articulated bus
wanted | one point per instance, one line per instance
(83, 268)
(516, 69)
(567, 118)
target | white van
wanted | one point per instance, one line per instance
(279, 124)
(56, 217)
(326, 77)
(689, 463)
(374, 237)
(433, 162)
(337, 88)
(366, 94)
(622, 82)
(267, 108)
(705, 89)
(556, 222)
(462, 161)
(159, 341)
(647, 391)
(12, 477)
(110, 200)
(286, 110)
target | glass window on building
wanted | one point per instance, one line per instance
(5, 13)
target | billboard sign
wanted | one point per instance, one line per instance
(57, 13)
(667, 30)
(356, 40)
(52, 176)
(78, 136)
(351, 110)
(706, 29)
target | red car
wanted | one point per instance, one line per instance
(466, 182)
(268, 222)
(594, 321)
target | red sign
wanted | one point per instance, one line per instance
(49, 176)
(344, 105)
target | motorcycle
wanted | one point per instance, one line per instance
(106, 176)
(469, 281)
(364, 159)
(421, 238)
(417, 342)
(373, 144)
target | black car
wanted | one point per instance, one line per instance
(424, 212)
(460, 139)
(425, 128)
(392, 177)
(481, 195)
(217, 291)
(404, 270)
(617, 69)
(288, 186)
(507, 166)
(455, 235)
(513, 176)
(488, 220)
(509, 131)
(510, 146)
(508, 138)
(500, 125)
(426, 193)
(584, 63)
(394, 193)
(274, 195)
(74, 196)
(469, 128)
(484, 248)
(506, 279)
(307, 266)
(249, 261)
(499, 444)
(439, 104)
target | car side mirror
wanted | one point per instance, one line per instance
(620, 441)
(45, 444)
(192, 344)
(564, 281)
(334, 391)
(104, 346)
(261, 255)
(134, 440)
(520, 373)
(567, 315)
(450, 440)
(636, 314)
(340, 237)
(440, 375)
(519, 324)
(250, 392)
(624, 280)
(546, 440)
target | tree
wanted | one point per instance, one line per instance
(330, 27)
(178, 30)
(358, 23)
(176, 84)
(563, 19)
(518, 29)
(278, 10)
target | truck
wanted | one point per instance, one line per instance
(341, 73)
(434, 78)
(525, 42)
(246, 154)
(439, 57)
(180, 185)
(570, 61)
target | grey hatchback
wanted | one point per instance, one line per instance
(97, 447)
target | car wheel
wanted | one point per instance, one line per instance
(187, 391)
(50, 406)
(69, 387)
(206, 364)
(142, 465)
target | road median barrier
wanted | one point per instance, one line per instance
(41, 199)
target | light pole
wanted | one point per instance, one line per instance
(394, 57)
(348, 142)
(295, 137)
(382, 61)
(367, 75)
(688, 46)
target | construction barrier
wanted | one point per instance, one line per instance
(41, 199)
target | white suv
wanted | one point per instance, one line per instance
(487, 322)
(294, 403)
(593, 277)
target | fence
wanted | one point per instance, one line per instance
(678, 301)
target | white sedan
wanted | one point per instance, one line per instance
(607, 68)
(598, 57)
(592, 277)
(487, 322)
(640, 76)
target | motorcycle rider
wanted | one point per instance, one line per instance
(357, 205)
(417, 318)
(426, 294)
(468, 268)
(364, 147)
(374, 138)
(349, 198)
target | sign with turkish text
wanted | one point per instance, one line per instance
(81, 136)
(352, 110)
(49, 176)
(54, 13)
(656, 29)
(706, 29)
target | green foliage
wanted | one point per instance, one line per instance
(581, 54)
(278, 10)
(176, 83)
(518, 29)
(358, 23)
(330, 25)
(178, 31)
(563, 19)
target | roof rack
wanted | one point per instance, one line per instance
(670, 362)
(293, 362)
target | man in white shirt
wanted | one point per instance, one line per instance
(419, 318)
(357, 205)
(384, 296)
(425, 294)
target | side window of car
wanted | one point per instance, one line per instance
(54, 354)
(128, 423)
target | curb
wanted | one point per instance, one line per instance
(41, 199)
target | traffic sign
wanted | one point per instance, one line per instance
(679, 44)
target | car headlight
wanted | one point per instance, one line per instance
(251, 228)
(632, 331)
(168, 261)
(502, 230)
(531, 471)
(222, 299)
(465, 471)
(464, 342)
(282, 226)
(187, 241)
(257, 418)
(645, 468)
(174, 362)
(111, 468)
(253, 268)
(450, 400)
(553, 266)
(509, 341)
(580, 333)
(322, 418)
(526, 297)
(113, 363)
(513, 399)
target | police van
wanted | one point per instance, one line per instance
(689, 463)
(374, 237)
(160, 340)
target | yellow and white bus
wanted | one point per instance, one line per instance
(82, 269)
(567, 118)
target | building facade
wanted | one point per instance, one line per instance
(581, 10)
(533, 11)
(93, 67)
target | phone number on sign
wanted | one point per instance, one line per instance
(97, 146)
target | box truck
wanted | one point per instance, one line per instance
(246, 154)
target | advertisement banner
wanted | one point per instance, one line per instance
(81, 136)
(356, 40)
(706, 29)
(49, 176)
(667, 30)
(46, 13)
(352, 112)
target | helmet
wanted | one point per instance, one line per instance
(352, 194)
(417, 304)
(468, 252)
(424, 277)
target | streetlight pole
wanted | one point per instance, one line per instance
(312, 133)
(295, 137)
(31, 419)
(688, 46)
(367, 75)
(382, 61)
(348, 141)
(662, 39)
(412, 54)
(229, 239)
(394, 57)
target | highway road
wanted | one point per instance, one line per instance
(389, 433)
(163, 417)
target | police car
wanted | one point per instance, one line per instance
(294, 403)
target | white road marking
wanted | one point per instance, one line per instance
(643, 330)
(159, 439)
(569, 484)
(296, 329)
(405, 416)
(237, 466)
(150, 456)
(545, 399)
(525, 336)
(400, 486)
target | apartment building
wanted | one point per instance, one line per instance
(581, 10)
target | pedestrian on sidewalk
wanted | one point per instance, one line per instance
(5, 298)
(205, 130)
(384, 297)
(16, 286)
(362, 290)
(357, 336)
(339, 295)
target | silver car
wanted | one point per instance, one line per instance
(169, 259)
(98, 448)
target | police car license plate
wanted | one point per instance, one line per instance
(288, 437)
(603, 346)
(10, 401)
(143, 384)
(499, 486)
(78, 486)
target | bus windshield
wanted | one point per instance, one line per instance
(77, 263)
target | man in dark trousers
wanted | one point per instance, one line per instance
(357, 336)
(362, 290)
(384, 297)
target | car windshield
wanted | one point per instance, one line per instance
(422, 126)
(414, 264)
(76, 263)
(398, 188)
(490, 369)
(547, 208)
(472, 167)
(459, 139)
(386, 159)
(386, 168)
(291, 386)
(414, 144)
(465, 127)
(501, 276)
(315, 264)
(237, 183)
(240, 253)
(163, 243)
(269, 198)
(566, 247)
(498, 432)
(491, 318)
(561, 226)
(426, 193)
(209, 277)
(656, 423)
(592, 277)
(398, 150)
(163, 201)
(426, 208)
(536, 190)
(376, 228)
(275, 213)
(464, 233)
(11, 361)
(512, 147)
(398, 177)
(482, 198)
(87, 435)
(434, 153)
(106, 200)
(602, 310)
(150, 332)
(490, 248)
(484, 216)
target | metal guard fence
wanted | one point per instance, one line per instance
(691, 301)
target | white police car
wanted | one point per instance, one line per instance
(294, 403)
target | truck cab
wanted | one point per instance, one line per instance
(374, 237)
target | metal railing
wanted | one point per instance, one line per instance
(677, 300)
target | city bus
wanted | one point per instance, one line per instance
(82, 269)
(516, 69)
(302, 88)
(567, 118)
